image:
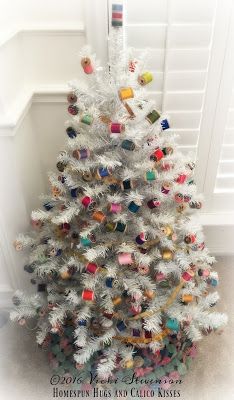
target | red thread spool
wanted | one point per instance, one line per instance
(157, 155)
(187, 275)
(99, 216)
(181, 178)
(88, 295)
(92, 268)
(116, 127)
(86, 201)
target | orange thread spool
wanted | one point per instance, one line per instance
(187, 298)
(126, 93)
(99, 216)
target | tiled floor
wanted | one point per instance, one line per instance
(25, 374)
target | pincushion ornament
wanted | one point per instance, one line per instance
(122, 270)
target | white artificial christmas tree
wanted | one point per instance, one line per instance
(123, 273)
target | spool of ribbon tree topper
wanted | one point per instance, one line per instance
(71, 132)
(116, 127)
(120, 227)
(128, 145)
(127, 184)
(87, 119)
(126, 93)
(152, 117)
(133, 206)
(153, 203)
(115, 208)
(71, 98)
(87, 65)
(72, 109)
(145, 78)
(150, 175)
(81, 154)
(92, 268)
(117, 15)
(125, 258)
(99, 216)
(88, 295)
(157, 155)
(141, 238)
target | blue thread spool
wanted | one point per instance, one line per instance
(82, 322)
(71, 132)
(85, 241)
(128, 145)
(150, 175)
(103, 172)
(133, 207)
(121, 326)
(213, 282)
(165, 124)
(48, 206)
(74, 192)
(127, 184)
(173, 324)
(109, 282)
(58, 252)
(120, 227)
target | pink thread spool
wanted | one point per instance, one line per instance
(136, 309)
(160, 277)
(87, 65)
(125, 258)
(115, 208)
(143, 269)
(187, 275)
(116, 127)
(86, 201)
(92, 268)
(181, 178)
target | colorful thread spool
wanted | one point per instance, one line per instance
(166, 187)
(179, 198)
(99, 216)
(145, 78)
(86, 201)
(72, 109)
(136, 309)
(126, 93)
(153, 203)
(74, 192)
(187, 275)
(187, 298)
(141, 238)
(117, 15)
(92, 268)
(152, 117)
(181, 178)
(165, 124)
(87, 65)
(82, 322)
(116, 301)
(87, 119)
(115, 208)
(187, 198)
(65, 227)
(127, 184)
(88, 295)
(167, 255)
(191, 238)
(109, 282)
(150, 294)
(87, 176)
(128, 145)
(133, 207)
(125, 258)
(157, 155)
(167, 150)
(85, 241)
(195, 204)
(173, 324)
(71, 132)
(110, 226)
(143, 269)
(71, 98)
(48, 206)
(120, 227)
(116, 127)
(103, 172)
(61, 166)
(136, 332)
(160, 276)
(150, 175)
(121, 326)
(81, 154)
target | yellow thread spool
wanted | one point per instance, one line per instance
(145, 78)
(167, 255)
(150, 294)
(129, 364)
(126, 93)
(187, 298)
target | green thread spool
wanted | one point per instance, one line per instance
(152, 117)
(150, 175)
(120, 227)
(128, 145)
(87, 119)
(110, 226)
(145, 78)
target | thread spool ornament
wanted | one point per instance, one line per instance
(179, 198)
(71, 132)
(120, 227)
(134, 206)
(145, 78)
(92, 268)
(99, 216)
(126, 93)
(86, 119)
(87, 65)
(167, 255)
(127, 184)
(150, 176)
(116, 127)
(81, 154)
(71, 98)
(73, 109)
(117, 15)
(157, 155)
(166, 188)
(103, 172)
(125, 258)
(165, 124)
(87, 240)
(141, 238)
(154, 203)
(128, 145)
(88, 295)
(110, 226)
(152, 117)
(143, 269)
(115, 208)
